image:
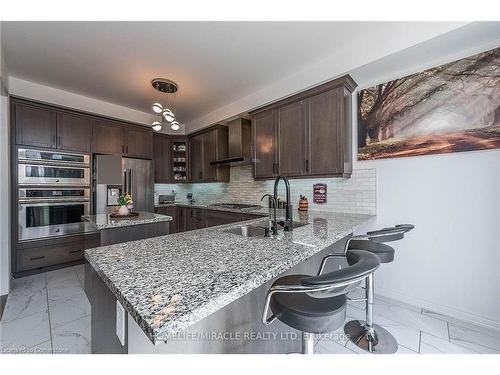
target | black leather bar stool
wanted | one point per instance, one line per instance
(365, 334)
(316, 304)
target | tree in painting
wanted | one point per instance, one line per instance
(450, 108)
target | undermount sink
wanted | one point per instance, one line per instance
(248, 231)
(257, 231)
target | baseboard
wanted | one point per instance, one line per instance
(3, 301)
(440, 309)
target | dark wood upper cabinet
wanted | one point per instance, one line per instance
(74, 133)
(196, 158)
(35, 126)
(205, 147)
(308, 134)
(139, 143)
(209, 154)
(324, 122)
(121, 139)
(291, 140)
(264, 141)
(108, 138)
(162, 156)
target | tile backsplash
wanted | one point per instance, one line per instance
(351, 195)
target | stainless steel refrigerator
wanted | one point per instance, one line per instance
(115, 175)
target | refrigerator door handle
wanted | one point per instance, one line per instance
(124, 182)
(131, 186)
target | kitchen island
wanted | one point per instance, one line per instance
(129, 228)
(203, 291)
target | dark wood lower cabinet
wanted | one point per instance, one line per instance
(33, 255)
(173, 212)
(198, 218)
(184, 214)
(191, 218)
(221, 217)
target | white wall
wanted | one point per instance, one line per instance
(4, 185)
(450, 262)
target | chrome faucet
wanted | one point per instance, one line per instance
(274, 226)
(288, 223)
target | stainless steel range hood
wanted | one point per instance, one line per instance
(240, 144)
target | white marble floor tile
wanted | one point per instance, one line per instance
(67, 309)
(330, 347)
(480, 341)
(412, 318)
(73, 337)
(61, 275)
(456, 321)
(43, 348)
(24, 332)
(404, 335)
(408, 317)
(434, 345)
(337, 336)
(64, 289)
(355, 349)
(401, 349)
(80, 273)
(387, 300)
(27, 285)
(22, 305)
(404, 350)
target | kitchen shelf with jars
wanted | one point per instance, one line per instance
(179, 160)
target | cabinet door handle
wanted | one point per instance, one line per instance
(37, 258)
(74, 251)
(307, 165)
(59, 141)
(54, 144)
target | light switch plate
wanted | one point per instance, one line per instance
(120, 322)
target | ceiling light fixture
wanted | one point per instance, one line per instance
(168, 115)
(174, 125)
(166, 111)
(157, 108)
(157, 126)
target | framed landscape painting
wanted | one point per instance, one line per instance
(450, 108)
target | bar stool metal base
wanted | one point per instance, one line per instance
(382, 343)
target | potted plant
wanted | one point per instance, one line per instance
(124, 201)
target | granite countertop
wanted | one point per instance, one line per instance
(104, 221)
(260, 210)
(170, 282)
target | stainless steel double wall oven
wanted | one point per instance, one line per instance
(54, 192)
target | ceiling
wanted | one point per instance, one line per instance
(214, 63)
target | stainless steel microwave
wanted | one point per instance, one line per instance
(36, 167)
(25, 155)
(34, 174)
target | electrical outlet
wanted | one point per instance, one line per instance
(120, 322)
